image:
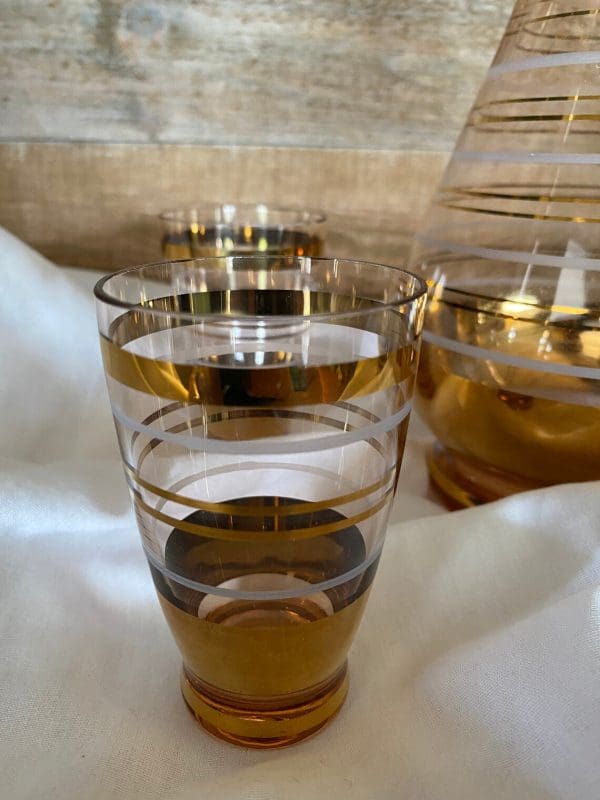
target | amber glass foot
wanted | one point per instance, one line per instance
(264, 724)
(464, 481)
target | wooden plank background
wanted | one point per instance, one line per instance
(111, 111)
(100, 203)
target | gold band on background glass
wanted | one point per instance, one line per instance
(242, 229)
(261, 406)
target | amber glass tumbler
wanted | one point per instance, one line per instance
(261, 409)
(242, 229)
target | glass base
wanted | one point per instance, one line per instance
(464, 482)
(264, 724)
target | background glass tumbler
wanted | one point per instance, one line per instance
(242, 229)
(261, 410)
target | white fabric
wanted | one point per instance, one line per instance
(475, 673)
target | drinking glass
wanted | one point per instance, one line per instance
(261, 409)
(242, 229)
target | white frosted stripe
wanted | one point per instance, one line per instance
(543, 62)
(510, 360)
(589, 159)
(236, 594)
(517, 256)
(265, 446)
(557, 395)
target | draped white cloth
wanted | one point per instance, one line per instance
(475, 673)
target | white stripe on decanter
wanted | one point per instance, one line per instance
(544, 62)
(527, 158)
(516, 256)
(509, 359)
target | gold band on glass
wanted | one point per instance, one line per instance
(277, 386)
(519, 214)
(255, 509)
(238, 535)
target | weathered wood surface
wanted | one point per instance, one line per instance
(328, 103)
(96, 205)
(395, 74)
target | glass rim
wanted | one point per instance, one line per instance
(295, 261)
(202, 211)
